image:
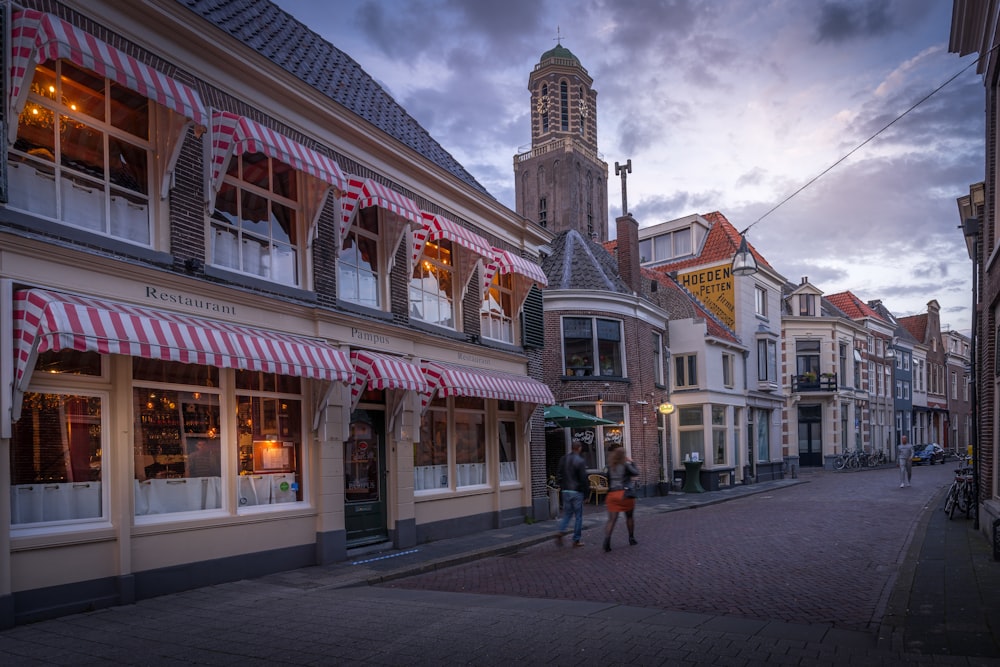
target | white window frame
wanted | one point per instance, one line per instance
(685, 371)
(760, 301)
(441, 300)
(499, 318)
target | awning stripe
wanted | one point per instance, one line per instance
(381, 371)
(46, 321)
(439, 227)
(454, 380)
(362, 194)
(235, 135)
(505, 262)
(37, 37)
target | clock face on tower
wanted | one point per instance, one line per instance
(540, 105)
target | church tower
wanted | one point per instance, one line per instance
(562, 182)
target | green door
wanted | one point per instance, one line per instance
(364, 484)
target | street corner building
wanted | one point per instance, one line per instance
(253, 315)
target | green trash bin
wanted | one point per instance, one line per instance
(692, 475)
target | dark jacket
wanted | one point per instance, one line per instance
(572, 473)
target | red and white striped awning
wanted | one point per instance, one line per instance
(382, 371)
(453, 380)
(234, 135)
(439, 227)
(37, 37)
(362, 194)
(45, 321)
(505, 262)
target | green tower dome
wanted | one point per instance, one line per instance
(559, 51)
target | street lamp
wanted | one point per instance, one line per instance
(744, 263)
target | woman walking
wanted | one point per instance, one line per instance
(620, 474)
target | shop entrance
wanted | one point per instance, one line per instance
(364, 484)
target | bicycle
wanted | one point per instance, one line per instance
(961, 494)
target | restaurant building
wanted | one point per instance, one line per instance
(253, 315)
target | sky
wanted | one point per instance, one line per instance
(721, 105)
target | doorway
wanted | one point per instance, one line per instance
(364, 478)
(810, 436)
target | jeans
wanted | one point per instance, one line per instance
(572, 505)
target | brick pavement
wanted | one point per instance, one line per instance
(822, 552)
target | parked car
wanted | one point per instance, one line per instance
(932, 453)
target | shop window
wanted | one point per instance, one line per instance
(691, 433)
(508, 450)
(430, 453)
(719, 430)
(359, 267)
(470, 442)
(586, 340)
(763, 435)
(496, 318)
(269, 441)
(432, 285)
(255, 225)
(56, 459)
(84, 154)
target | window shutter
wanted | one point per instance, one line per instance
(532, 321)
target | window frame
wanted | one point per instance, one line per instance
(372, 231)
(760, 301)
(502, 318)
(608, 362)
(437, 266)
(686, 370)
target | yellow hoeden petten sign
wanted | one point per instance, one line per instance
(714, 288)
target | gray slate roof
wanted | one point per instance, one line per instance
(578, 263)
(290, 44)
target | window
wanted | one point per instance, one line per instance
(84, 153)
(359, 266)
(899, 389)
(432, 285)
(807, 358)
(543, 213)
(763, 435)
(760, 300)
(807, 304)
(719, 431)
(583, 109)
(508, 450)
(728, 364)
(669, 245)
(906, 361)
(767, 361)
(182, 453)
(657, 358)
(496, 317)
(685, 370)
(255, 222)
(842, 360)
(645, 251)
(906, 391)
(56, 462)
(954, 385)
(691, 433)
(563, 106)
(586, 339)
(464, 445)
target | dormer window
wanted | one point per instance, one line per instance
(807, 305)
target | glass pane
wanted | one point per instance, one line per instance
(682, 242)
(129, 111)
(661, 247)
(283, 224)
(361, 465)
(269, 441)
(82, 91)
(430, 453)
(154, 370)
(284, 180)
(689, 416)
(256, 169)
(70, 362)
(128, 166)
(255, 214)
(508, 451)
(82, 149)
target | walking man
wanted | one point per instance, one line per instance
(572, 478)
(905, 457)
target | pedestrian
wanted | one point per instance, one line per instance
(905, 456)
(621, 472)
(572, 479)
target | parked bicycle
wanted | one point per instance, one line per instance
(852, 460)
(961, 494)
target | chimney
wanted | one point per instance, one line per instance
(628, 251)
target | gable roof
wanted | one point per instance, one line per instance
(853, 307)
(290, 44)
(721, 244)
(578, 263)
(916, 325)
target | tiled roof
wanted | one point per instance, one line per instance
(688, 306)
(854, 307)
(916, 325)
(577, 263)
(291, 45)
(826, 308)
(721, 244)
